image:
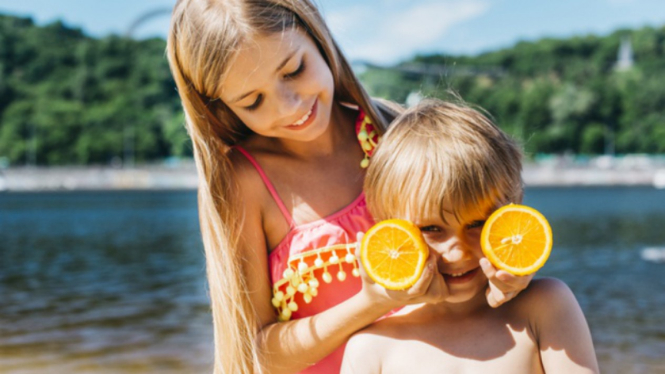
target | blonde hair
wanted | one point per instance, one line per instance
(203, 40)
(437, 153)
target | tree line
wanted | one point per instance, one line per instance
(555, 95)
(67, 98)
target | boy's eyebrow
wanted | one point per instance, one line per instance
(279, 67)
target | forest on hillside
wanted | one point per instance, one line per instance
(69, 99)
(554, 95)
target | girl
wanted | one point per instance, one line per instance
(282, 131)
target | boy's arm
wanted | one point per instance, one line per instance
(361, 355)
(561, 329)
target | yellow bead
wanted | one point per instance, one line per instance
(362, 135)
(318, 262)
(341, 275)
(327, 277)
(350, 258)
(290, 290)
(288, 273)
(364, 163)
(334, 259)
(293, 306)
(302, 287)
(313, 283)
(286, 314)
(313, 291)
(356, 272)
(275, 302)
(302, 267)
(279, 295)
(367, 146)
(295, 281)
(308, 298)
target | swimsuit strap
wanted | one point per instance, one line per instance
(269, 185)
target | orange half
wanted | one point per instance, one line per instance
(393, 253)
(517, 239)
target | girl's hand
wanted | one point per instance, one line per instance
(503, 286)
(430, 287)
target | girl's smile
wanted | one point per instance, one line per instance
(280, 86)
(305, 120)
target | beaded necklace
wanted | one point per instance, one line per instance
(368, 137)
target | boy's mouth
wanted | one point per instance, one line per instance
(460, 277)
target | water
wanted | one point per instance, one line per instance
(114, 282)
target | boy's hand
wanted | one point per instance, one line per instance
(503, 286)
(429, 288)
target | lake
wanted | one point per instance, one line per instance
(114, 282)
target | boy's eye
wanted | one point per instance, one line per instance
(296, 72)
(475, 224)
(256, 104)
(431, 228)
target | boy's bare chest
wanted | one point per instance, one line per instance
(499, 349)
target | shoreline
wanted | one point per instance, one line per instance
(184, 177)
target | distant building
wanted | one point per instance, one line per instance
(625, 59)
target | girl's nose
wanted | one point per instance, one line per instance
(289, 100)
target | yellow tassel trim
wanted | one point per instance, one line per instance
(299, 276)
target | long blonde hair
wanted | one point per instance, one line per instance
(437, 153)
(203, 40)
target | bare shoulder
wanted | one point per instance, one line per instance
(365, 350)
(546, 291)
(546, 301)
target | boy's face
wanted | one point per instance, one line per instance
(457, 245)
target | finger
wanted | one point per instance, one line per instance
(488, 268)
(423, 283)
(363, 274)
(493, 276)
(512, 283)
(495, 298)
(359, 237)
(437, 291)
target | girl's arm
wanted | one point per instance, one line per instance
(561, 329)
(288, 347)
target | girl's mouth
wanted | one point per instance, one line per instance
(456, 278)
(306, 119)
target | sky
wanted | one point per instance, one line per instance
(387, 31)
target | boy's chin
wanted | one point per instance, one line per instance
(462, 296)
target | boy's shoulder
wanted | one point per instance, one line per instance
(543, 300)
(543, 289)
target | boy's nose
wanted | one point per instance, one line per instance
(452, 250)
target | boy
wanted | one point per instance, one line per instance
(447, 168)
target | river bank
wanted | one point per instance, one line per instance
(183, 176)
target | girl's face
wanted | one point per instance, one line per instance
(457, 246)
(280, 86)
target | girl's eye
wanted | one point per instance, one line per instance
(256, 104)
(431, 228)
(475, 224)
(297, 72)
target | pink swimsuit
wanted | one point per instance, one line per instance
(314, 267)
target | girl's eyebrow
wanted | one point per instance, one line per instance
(279, 67)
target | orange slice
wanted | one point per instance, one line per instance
(393, 253)
(517, 239)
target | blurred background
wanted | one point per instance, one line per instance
(101, 263)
